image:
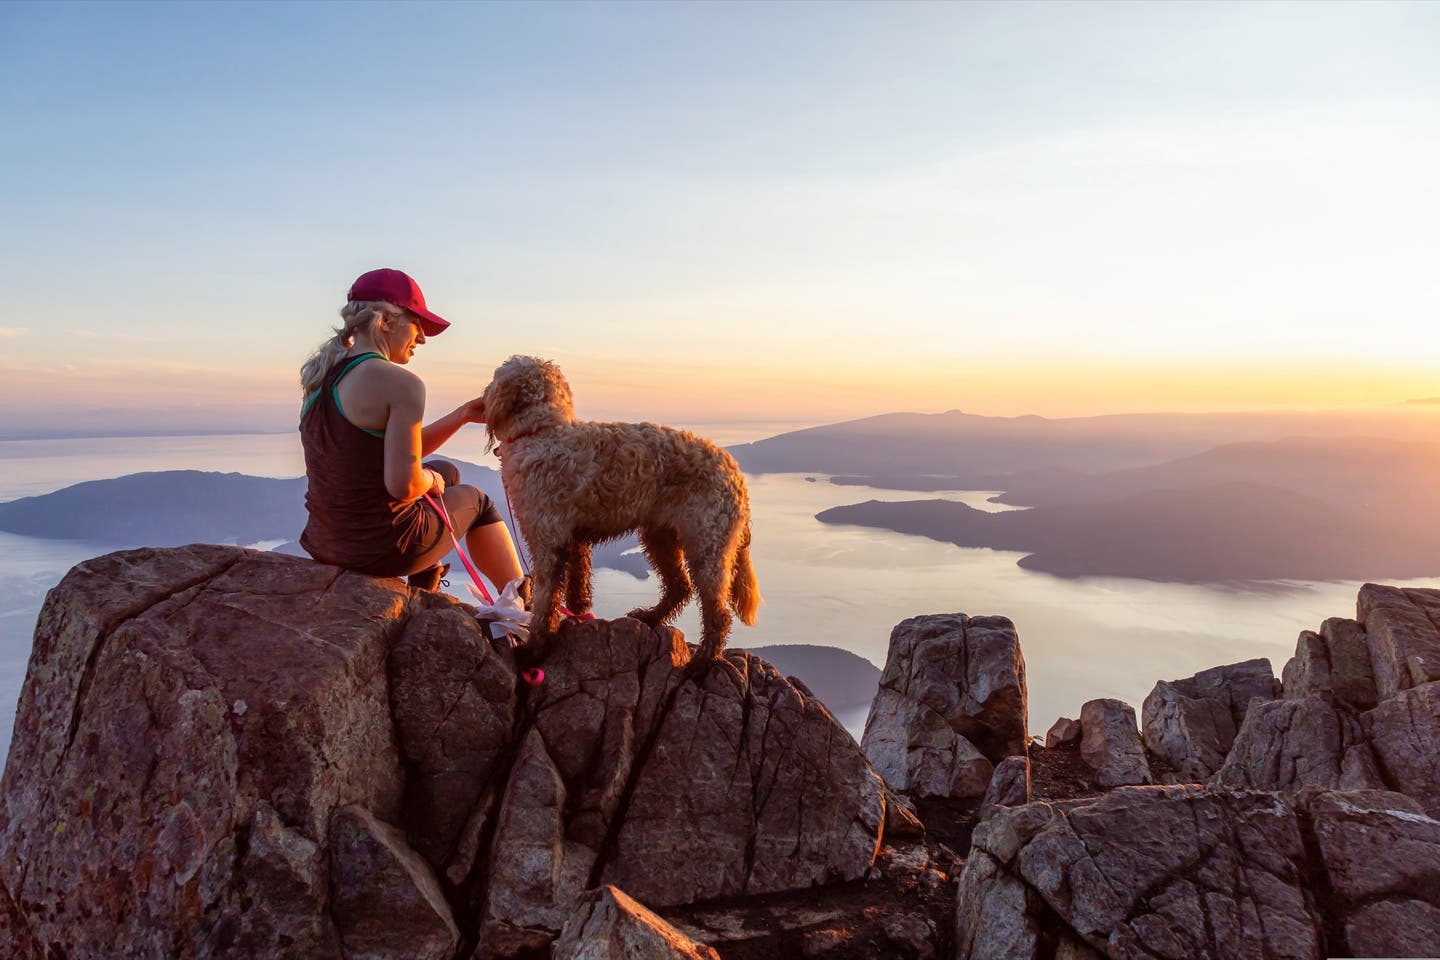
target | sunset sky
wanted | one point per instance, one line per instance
(788, 212)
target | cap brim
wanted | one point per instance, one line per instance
(430, 323)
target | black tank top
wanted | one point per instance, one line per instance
(354, 521)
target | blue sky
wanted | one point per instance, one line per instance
(725, 211)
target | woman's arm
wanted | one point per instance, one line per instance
(435, 434)
(405, 479)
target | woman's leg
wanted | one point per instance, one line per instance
(494, 553)
(486, 536)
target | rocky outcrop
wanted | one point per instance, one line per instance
(1299, 845)
(224, 753)
(1336, 727)
(1380, 857)
(1401, 633)
(1110, 743)
(608, 925)
(1404, 735)
(951, 705)
(1190, 724)
(1170, 872)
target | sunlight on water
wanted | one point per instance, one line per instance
(841, 586)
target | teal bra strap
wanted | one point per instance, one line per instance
(335, 394)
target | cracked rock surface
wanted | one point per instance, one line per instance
(1172, 872)
(226, 753)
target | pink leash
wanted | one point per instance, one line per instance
(439, 506)
(533, 676)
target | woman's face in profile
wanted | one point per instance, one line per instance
(402, 337)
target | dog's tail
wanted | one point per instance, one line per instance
(744, 590)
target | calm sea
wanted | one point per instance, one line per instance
(838, 586)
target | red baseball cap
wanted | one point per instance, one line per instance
(398, 288)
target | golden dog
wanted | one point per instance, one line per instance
(573, 483)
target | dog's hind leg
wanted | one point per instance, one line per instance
(712, 582)
(662, 549)
(577, 580)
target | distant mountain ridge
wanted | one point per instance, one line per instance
(1299, 508)
(975, 449)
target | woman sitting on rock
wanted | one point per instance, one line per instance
(363, 439)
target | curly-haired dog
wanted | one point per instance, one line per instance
(573, 483)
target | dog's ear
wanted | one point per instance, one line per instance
(500, 399)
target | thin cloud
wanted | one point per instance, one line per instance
(14, 331)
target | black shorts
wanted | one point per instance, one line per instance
(469, 507)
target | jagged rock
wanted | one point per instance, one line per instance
(1332, 665)
(1381, 858)
(170, 694)
(1191, 734)
(1010, 787)
(535, 876)
(1234, 684)
(1404, 733)
(1062, 732)
(1110, 743)
(1287, 744)
(208, 730)
(1401, 632)
(608, 925)
(385, 900)
(951, 705)
(1191, 723)
(1156, 872)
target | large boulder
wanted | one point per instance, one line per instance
(178, 702)
(951, 705)
(225, 753)
(1110, 743)
(1401, 632)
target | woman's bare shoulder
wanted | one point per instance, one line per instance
(387, 378)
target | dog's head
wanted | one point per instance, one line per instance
(526, 394)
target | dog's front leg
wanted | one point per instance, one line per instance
(577, 580)
(549, 573)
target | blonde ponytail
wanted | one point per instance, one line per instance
(357, 316)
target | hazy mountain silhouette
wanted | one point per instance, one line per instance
(973, 450)
(174, 507)
(1232, 531)
(838, 677)
(1367, 474)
